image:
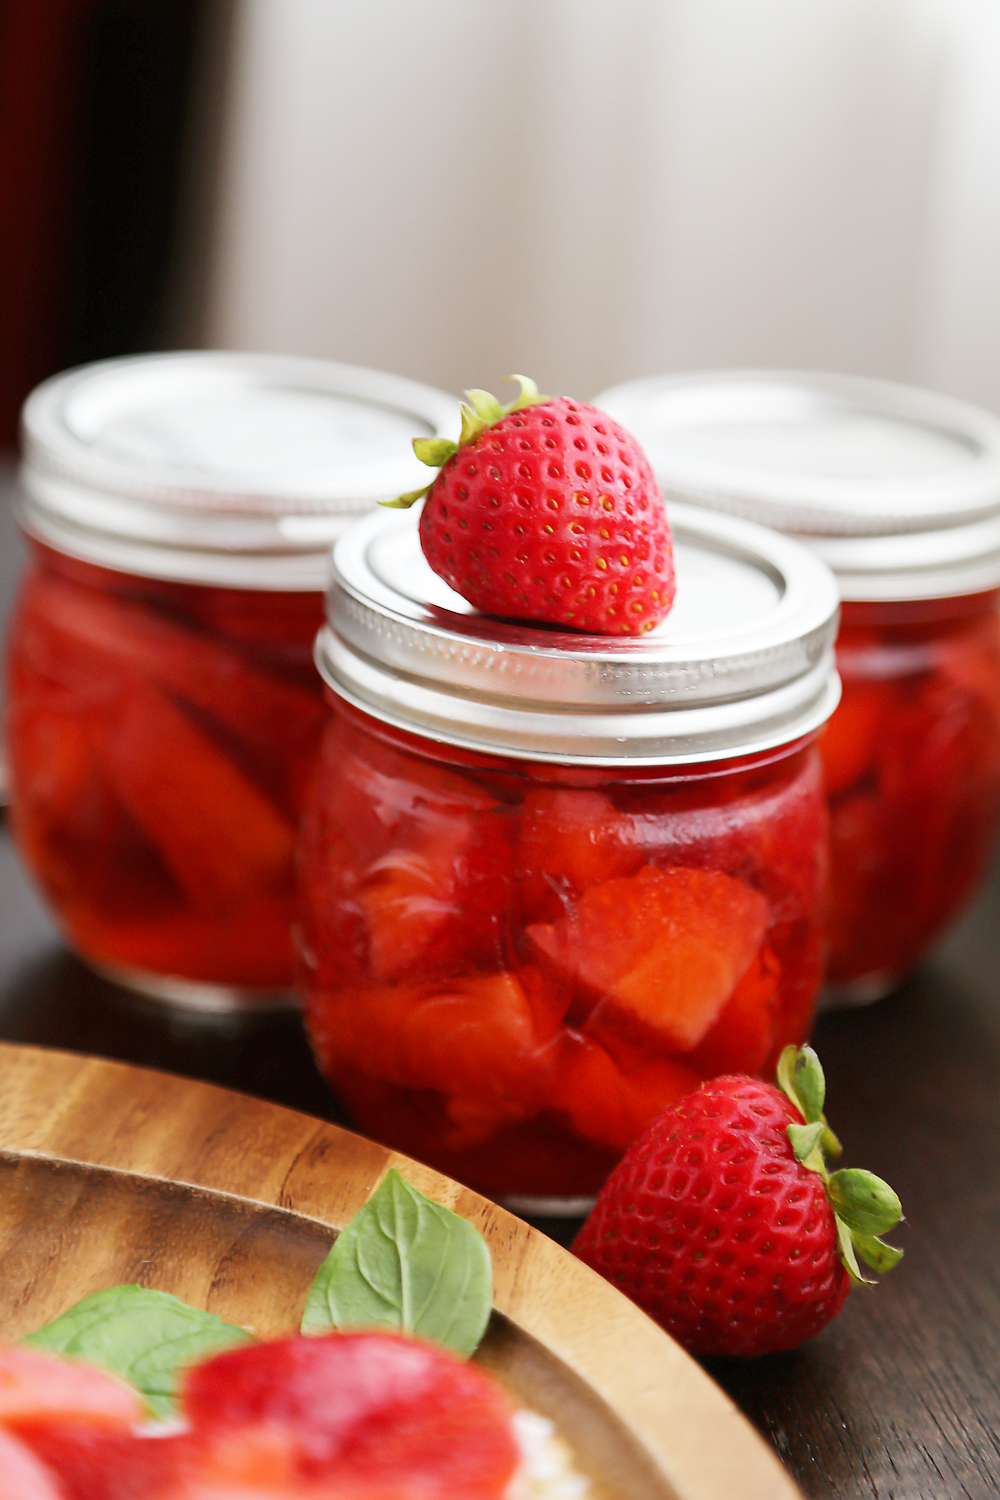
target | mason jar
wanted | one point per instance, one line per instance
(163, 711)
(550, 882)
(899, 491)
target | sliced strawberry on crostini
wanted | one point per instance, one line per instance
(379, 1414)
(25, 1477)
(93, 1464)
(34, 1386)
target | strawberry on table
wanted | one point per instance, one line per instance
(723, 1223)
(547, 510)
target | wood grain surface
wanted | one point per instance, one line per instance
(899, 1398)
(112, 1174)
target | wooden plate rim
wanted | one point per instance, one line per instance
(98, 1113)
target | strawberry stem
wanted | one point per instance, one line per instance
(482, 410)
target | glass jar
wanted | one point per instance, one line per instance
(899, 491)
(163, 710)
(912, 761)
(551, 882)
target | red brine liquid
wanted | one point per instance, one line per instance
(509, 968)
(912, 759)
(160, 739)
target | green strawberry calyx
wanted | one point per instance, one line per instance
(864, 1206)
(480, 412)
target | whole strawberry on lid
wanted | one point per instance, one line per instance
(723, 1223)
(547, 510)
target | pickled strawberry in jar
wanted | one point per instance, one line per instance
(552, 881)
(163, 710)
(899, 491)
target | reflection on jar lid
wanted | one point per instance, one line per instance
(742, 663)
(898, 489)
(233, 469)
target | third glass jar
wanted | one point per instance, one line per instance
(551, 882)
(899, 491)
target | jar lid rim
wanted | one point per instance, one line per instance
(400, 643)
(815, 454)
(181, 464)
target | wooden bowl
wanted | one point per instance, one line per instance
(113, 1174)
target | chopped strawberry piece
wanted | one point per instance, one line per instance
(158, 772)
(94, 639)
(35, 1386)
(221, 839)
(383, 1414)
(549, 996)
(472, 1039)
(407, 898)
(567, 840)
(253, 946)
(54, 759)
(665, 948)
(438, 900)
(608, 1105)
(404, 864)
(742, 1038)
(852, 739)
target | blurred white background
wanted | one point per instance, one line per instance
(594, 189)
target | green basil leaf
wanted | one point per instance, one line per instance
(144, 1336)
(407, 1263)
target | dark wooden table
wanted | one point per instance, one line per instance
(899, 1399)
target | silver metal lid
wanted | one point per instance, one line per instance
(897, 489)
(232, 469)
(744, 661)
